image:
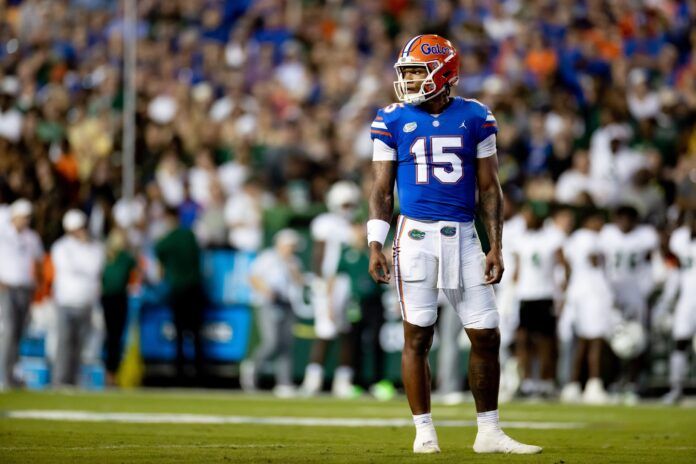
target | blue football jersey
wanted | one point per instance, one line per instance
(436, 156)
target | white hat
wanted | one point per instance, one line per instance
(126, 213)
(21, 207)
(287, 236)
(162, 109)
(341, 193)
(74, 220)
(9, 86)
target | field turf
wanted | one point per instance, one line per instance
(641, 434)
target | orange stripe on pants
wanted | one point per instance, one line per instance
(397, 268)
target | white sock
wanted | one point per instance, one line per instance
(314, 373)
(314, 368)
(488, 421)
(423, 420)
(677, 369)
(528, 386)
(343, 374)
(545, 386)
(424, 426)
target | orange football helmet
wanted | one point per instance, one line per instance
(440, 60)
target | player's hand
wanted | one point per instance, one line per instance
(494, 267)
(379, 269)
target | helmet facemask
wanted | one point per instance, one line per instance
(428, 88)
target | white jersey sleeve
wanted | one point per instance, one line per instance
(679, 242)
(322, 228)
(382, 152)
(262, 264)
(487, 147)
(649, 237)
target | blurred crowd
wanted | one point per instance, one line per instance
(245, 104)
(250, 106)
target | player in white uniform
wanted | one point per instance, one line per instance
(331, 292)
(683, 244)
(538, 251)
(628, 247)
(506, 300)
(514, 227)
(439, 151)
(587, 309)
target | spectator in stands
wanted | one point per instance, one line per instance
(210, 227)
(276, 277)
(576, 186)
(22, 252)
(114, 300)
(243, 214)
(78, 262)
(180, 257)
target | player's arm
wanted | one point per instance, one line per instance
(563, 262)
(318, 257)
(491, 211)
(381, 210)
(261, 287)
(516, 273)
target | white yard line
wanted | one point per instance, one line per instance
(125, 447)
(158, 418)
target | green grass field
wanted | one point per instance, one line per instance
(575, 434)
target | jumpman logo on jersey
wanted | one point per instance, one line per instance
(463, 124)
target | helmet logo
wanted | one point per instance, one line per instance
(436, 49)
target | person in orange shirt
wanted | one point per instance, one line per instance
(541, 60)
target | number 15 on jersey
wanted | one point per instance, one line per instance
(434, 155)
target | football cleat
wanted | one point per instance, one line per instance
(426, 441)
(595, 393)
(496, 441)
(426, 447)
(673, 397)
(571, 393)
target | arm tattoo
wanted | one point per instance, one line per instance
(382, 196)
(491, 201)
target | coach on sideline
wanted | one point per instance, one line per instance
(21, 251)
(78, 263)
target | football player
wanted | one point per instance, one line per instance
(683, 244)
(588, 305)
(439, 150)
(331, 291)
(629, 247)
(538, 252)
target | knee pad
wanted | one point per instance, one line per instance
(478, 309)
(484, 320)
(422, 317)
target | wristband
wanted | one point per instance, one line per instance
(377, 231)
